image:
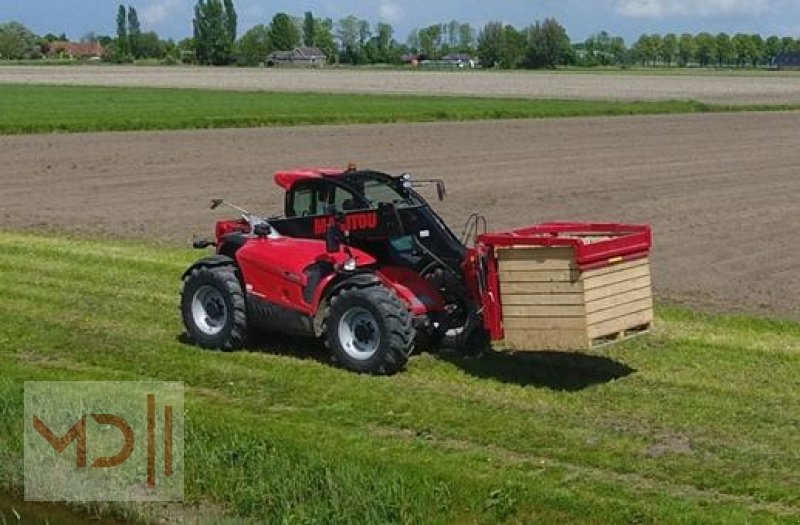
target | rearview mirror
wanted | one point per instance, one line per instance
(441, 190)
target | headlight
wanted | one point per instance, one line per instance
(350, 265)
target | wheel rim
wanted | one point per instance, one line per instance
(209, 311)
(359, 333)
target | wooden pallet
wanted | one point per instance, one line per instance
(550, 304)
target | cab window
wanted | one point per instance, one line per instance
(308, 200)
(346, 201)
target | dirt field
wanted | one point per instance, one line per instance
(771, 89)
(721, 190)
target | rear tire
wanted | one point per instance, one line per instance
(214, 309)
(369, 330)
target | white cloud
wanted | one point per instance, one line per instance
(160, 11)
(388, 10)
(665, 8)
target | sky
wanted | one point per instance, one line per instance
(627, 18)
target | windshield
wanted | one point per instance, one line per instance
(381, 190)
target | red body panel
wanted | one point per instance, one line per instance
(287, 179)
(233, 226)
(420, 295)
(628, 241)
(274, 268)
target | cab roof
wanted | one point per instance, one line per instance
(287, 179)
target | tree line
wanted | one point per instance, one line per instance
(351, 40)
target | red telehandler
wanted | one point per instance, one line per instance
(361, 260)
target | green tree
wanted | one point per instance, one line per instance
(283, 33)
(513, 50)
(466, 38)
(364, 32)
(490, 44)
(309, 30)
(669, 49)
(723, 49)
(123, 43)
(213, 40)
(759, 50)
(788, 44)
(618, 50)
(743, 49)
(453, 33)
(706, 45)
(325, 39)
(430, 41)
(134, 32)
(687, 48)
(648, 49)
(384, 41)
(151, 46)
(16, 41)
(548, 44)
(348, 32)
(231, 22)
(254, 46)
(773, 48)
(187, 50)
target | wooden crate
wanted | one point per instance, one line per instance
(548, 303)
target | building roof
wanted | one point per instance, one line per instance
(310, 52)
(457, 57)
(300, 53)
(791, 59)
(78, 49)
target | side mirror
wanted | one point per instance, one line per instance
(216, 203)
(333, 239)
(441, 190)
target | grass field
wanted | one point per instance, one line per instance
(696, 423)
(43, 109)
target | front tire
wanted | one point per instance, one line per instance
(369, 330)
(214, 309)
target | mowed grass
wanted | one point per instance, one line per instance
(697, 423)
(45, 109)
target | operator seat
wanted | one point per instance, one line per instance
(351, 205)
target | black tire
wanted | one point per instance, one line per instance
(218, 292)
(386, 324)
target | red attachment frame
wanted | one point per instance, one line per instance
(628, 241)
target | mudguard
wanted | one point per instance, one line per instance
(213, 261)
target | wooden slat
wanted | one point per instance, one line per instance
(534, 253)
(545, 323)
(620, 310)
(554, 299)
(611, 290)
(634, 294)
(621, 323)
(539, 340)
(543, 311)
(532, 288)
(590, 283)
(527, 266)
(544, 276)
(534, 259)
(619, 267)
